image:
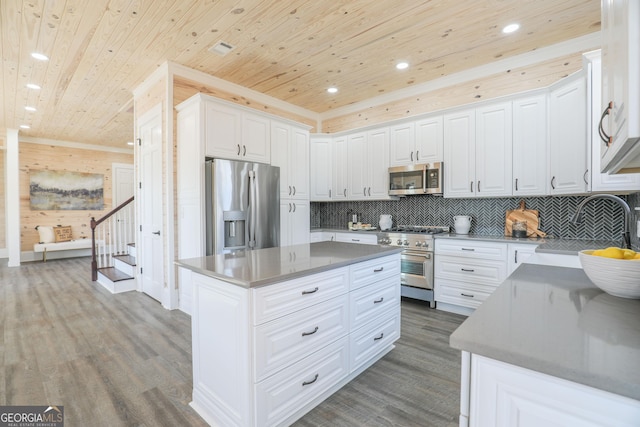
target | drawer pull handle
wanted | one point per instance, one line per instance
(378, 270)
(466, 295)
(469, 270)
(468, 249)
(304, 334)
(378, 301)
(304, 383)
(380, 337)
(355, 240)
(310, 292)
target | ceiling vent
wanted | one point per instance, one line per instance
(221, 48)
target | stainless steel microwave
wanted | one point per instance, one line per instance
(425, 178)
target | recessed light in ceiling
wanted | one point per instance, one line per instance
(511, 28)
(33, 86)
(402, 65)
(221, 48)
(30, 108)
(332, 90)
(40, 56)
(129, 143)
(25, 127)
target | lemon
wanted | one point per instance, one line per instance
(597, 252)
(637, 256)
(613, 252)
(629, 254)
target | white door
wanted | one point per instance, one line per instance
(530, 146)
(151, 239)
(429, 140)
(460, 154)
(378, 164)
(493, 150)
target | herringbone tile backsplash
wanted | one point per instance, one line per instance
(602, 219)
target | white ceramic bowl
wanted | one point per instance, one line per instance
(617, 277)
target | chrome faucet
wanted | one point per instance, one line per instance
(626, 235)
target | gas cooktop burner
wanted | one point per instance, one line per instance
(419, 229)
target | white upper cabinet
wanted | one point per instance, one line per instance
(493, 150)
(602, 182)
(321, 169)
(568, 168)
(530, 146)
(460, 154)
(416, 142)
(477, 152)
(232, 133)
(621, 83)
(290, 150)
(429, 139)
(340, 169)
(368, 160)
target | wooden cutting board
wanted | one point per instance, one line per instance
(523, 214)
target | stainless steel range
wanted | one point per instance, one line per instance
(416, 274)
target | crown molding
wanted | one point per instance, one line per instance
(71, 144)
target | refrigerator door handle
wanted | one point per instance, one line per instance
(252, 209)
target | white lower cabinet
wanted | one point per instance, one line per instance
(518, 254)
(322, 236)
(290, 345)
(466, 272)
(505, 395)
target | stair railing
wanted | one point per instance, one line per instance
(117, 230)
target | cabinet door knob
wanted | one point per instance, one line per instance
(471, 188)
(478, 186)
(345, 192)
(516, 184)
(553, 182)
(364, 191)
(244, 150)
(289, 190)
(584, 177)
(294, 190)
(417, 156)
(412, 156)
(238, 149)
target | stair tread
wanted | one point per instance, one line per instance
(127, 259)
(114, 274)
(133, 245)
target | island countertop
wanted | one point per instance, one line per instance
(259, 267)
(554, 320)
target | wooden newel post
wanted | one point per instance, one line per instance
(94, 262)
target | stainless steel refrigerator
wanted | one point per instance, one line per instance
(242, 205)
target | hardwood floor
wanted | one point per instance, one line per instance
(123, 360)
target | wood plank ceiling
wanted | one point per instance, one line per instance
(100, 50)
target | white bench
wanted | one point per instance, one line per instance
(61, 246)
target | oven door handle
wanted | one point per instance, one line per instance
(425, 255)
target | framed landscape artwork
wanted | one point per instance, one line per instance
(62, 190)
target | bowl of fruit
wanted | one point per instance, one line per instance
(614, 270)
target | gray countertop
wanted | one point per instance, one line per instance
(267, 266)
(555, 321)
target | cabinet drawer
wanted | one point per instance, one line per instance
(368, 272)
(360, 238)
(290, 338)
(470, 270)
(373, 301)
(271, 302)
(373, 338)
(282, 394)
(472, 249)
(462, 294)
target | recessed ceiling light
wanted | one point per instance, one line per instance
(332, 90)
(25, 127)
(40, 56)
(402, 65)
(33, 86)
(511, 28)
(30, 108)
(129, 143)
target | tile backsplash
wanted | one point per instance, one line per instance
(602, 219)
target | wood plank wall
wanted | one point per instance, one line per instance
(506, 83)
(3, 215)
(40, 156)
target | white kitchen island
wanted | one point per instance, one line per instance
(276, 331)
(548, 348)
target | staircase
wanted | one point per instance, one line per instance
(113, 257)
(121, 277)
